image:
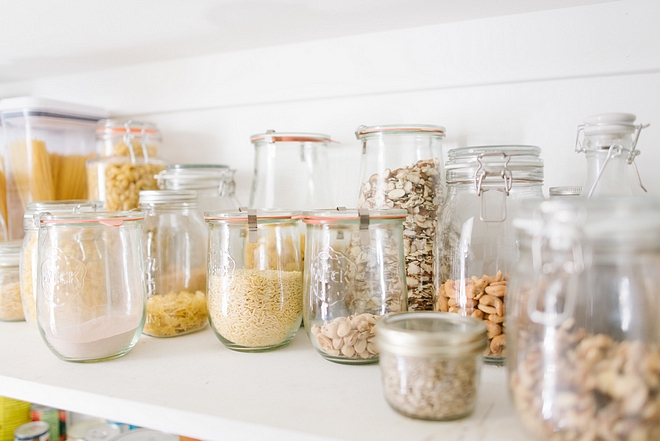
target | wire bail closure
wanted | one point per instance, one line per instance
(364, 226)
(253, 233)
(481, 173)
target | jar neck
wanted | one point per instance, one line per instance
(173, 207)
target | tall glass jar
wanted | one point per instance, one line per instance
(609, 141)
(174, 243)
(30, 250)
(11, 309)
(254, 278)
(476, 244)
(401, 168)
(291, 170)
(126, 164)
(91, 292)
(354, 274)
(584, 353)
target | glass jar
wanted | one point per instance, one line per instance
(214, 184)
(476, 246)
(291, 170)
(30, 250)
(254, 278)
(91, 292)
(584, 354)
(127, 163)
(11, 309)
(174, 244)
(609, 143)
(354, 274)
(431, 363)
(401, 168)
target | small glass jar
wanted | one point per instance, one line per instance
(127, 163)
(30, 251)
(291, 170)
(91, 292)
(174, 244)
(401, 168)
(254, 278)
(476, 246)
(584, 353)
(11, 309)
(609, 143)
(431, 363)
(354, 274)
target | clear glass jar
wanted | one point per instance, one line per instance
(214, 184)
(609, 143)
(476, 244)
(91, 292)
(30, 250)
(584, 353)
(174, 244)
(254, 278)
(354, 274)
(431, 363)
(291, 170)
(401, 168)
(11, 309)
(127, 163)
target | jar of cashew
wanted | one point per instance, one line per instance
(476, 246)
(126, 163)
(354, 275)
(584, 359)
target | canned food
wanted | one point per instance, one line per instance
(34, 431)
(48, 415)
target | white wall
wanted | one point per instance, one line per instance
(524, 79)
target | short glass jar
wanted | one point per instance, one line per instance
(11, 309)
(476, 244)
(90, 290)
(254, 278)
(431, 363)
(174, 243)
(354, 274)
(401, 168)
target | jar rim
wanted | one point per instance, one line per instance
(273, 137)
(108, 218)
(241, 215)
(166, 196)
(351, 214)
(363, 130)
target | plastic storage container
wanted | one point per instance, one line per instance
(254, 278)
(91, 292)
(431, 363)
(174, 242)
(401, 168)
(11, 308)
(476, 244)
(46, 145)
(127, 163)
(354, 274)
(584, 359)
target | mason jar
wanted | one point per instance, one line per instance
(401, 168)
(11, 308)
(90, 290)
(174, 243)
(354, 275)
(476, 243)
(254, 278)
(584, 354)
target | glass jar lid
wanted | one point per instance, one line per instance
(109, 128)
(422, 333)
(194, 176)
(399, 129)
(10, 253)
(609, 123)
(342, 215)
(565, 191)
(299, 137)
(63, 206)
(244, 215)
(110, 218)
(167, 196)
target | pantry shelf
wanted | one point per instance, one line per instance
(193, 386)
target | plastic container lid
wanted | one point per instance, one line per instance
(20, 107)
(145, 435)
(101, 432)
(364, 131)
(32, 430)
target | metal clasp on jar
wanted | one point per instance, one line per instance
(480, 174)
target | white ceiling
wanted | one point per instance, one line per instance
(54, 37)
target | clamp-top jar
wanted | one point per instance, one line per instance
(476, 247)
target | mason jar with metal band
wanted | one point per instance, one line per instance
(30, 250)
(174, 244)
(291, 170)
(401, 168)
(354, 274)
(127, 163)
(254, 278)
(91, 291)
(11, 309)
(476, 246)
(431, 363)
(609, 141)
(584, 354)
(214, 184)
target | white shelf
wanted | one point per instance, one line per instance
(192, 385)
